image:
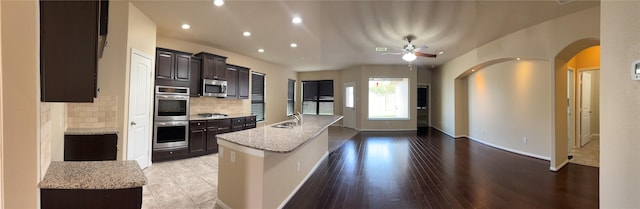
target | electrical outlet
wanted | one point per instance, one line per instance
(524, 139)
(298, 167)
(233, 156)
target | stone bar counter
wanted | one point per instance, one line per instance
(92, 184)
(265, 166)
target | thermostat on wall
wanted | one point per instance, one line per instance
(635, 70)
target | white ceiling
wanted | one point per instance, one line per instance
(337, 34)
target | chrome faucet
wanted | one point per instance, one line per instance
(298, 118)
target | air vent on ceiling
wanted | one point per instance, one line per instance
(381, 49)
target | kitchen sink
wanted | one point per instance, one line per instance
(284, 125)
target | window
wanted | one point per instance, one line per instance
(317, 97)
(348, 95)
(257, 95)
(290, 97)
(388, 98)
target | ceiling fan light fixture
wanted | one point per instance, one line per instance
(218, 2)
(409, 57)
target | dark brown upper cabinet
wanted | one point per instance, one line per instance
(173, 67)
(214, 67)
(72, 34)
(196, 80)
(237, 82)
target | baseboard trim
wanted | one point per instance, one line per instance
(222, 205)
(555, 169)
(511, 150)
(313, 170)
(444, 132)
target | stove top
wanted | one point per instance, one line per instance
(212, 115)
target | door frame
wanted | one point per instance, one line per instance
(572, 105)
(150, 108)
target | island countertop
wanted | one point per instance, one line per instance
(281, 140)
(93, 175)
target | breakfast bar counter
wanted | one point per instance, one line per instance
(263, 167)
(92, 184)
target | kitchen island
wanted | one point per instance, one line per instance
(92, 184)
(264, 167)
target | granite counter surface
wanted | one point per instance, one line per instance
(283, 140)
(93, 175)
(90, 131)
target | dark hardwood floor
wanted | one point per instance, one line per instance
(427, 169)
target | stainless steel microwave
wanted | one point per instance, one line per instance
(214, 88)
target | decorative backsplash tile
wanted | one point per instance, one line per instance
(99, 114)
(218, 105)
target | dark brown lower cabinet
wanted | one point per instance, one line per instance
(91, 198)
(197, 136)
(163, 155)
(90, 147)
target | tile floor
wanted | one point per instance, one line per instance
(588, 155)
(193, 183)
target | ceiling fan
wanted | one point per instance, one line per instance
(410, 52)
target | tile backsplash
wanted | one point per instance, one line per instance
(99, 114)
(217, 105)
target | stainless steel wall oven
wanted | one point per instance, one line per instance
(171, 118)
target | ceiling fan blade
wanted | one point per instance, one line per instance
(420, 54)
(392, 53)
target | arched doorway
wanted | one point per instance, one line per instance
(560, 148)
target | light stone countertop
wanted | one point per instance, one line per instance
(281, 140)
(90, 131)
(93, 175)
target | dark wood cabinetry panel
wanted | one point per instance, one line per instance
(237, 82)
(69, 49)
(129, 198)
(212, 143)
(195, 81)
(197, 136)
(214, 67)
(172, 67)
(250, 122)
(90, 147)
(232, 82)
(164, 65)
(162, 155)
(237, 124)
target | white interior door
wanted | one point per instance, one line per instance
(140, 95)
(349, 109)
(585, 103)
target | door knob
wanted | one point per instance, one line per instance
(133, 123)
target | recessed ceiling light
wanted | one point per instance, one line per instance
(440, 52)
(474, 70)
(518, 58)
(218, 2)
(294, 45)
(296, 20)
(260, 50)
(186, 26)
(246, 34)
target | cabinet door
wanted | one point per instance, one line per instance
(237, 124)
(220, 68)
(182, 67)
(250, 122)
(164, 65)
(232, 83)
(243, 83)
(68, 50)
(207, 67)
(212, 143)
(195, 83)
(197, 140)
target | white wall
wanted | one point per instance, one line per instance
(620, 118)
(1, 120)
(509, 101)
(21, 103)
(542, 41)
